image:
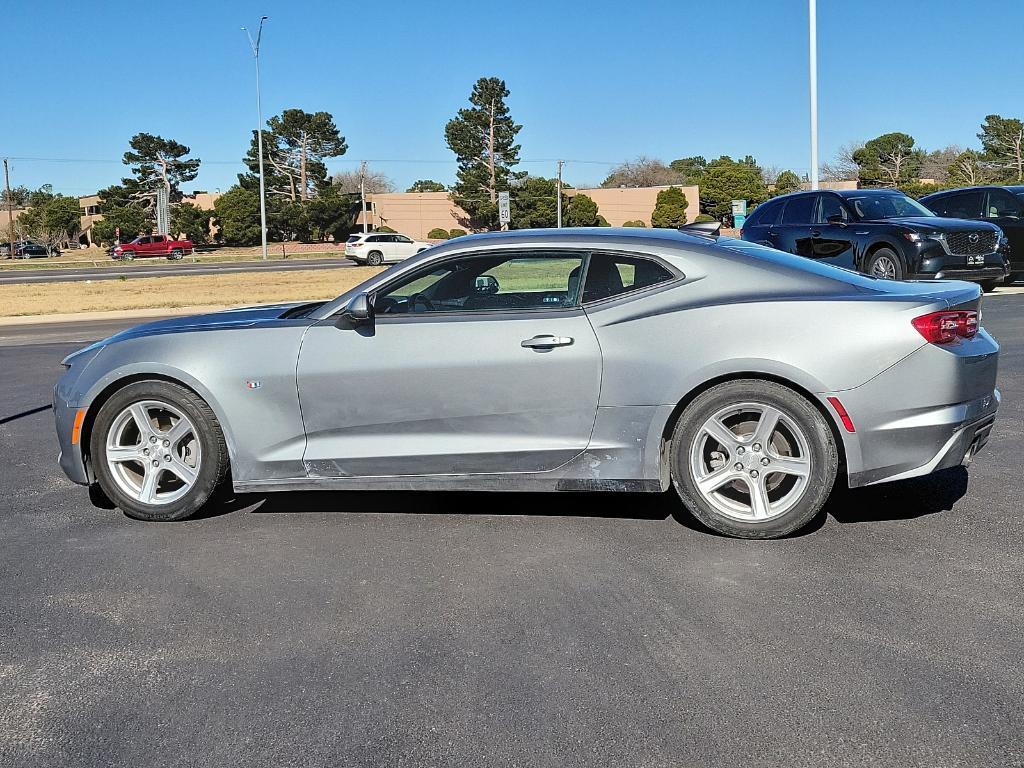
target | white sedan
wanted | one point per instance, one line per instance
(376, 248)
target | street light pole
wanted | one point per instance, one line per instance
(362, 194)
(255, 45)
(812, 13)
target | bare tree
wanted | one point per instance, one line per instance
(642, 172)
(937, 162)
(376, 182)
(769, 174)
(843, 167)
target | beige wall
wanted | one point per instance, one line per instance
(621, 204)
(414, 213)
(837, 185)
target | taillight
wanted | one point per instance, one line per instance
(947, 327)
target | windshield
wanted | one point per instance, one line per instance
(886, 205)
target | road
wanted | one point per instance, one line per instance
(163, 268)
(509, 630)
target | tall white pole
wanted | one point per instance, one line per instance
(259, 134)
(813, 45)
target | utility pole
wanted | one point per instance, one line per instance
(362, 194)
(10, 210)
(255, 45)
(812, 14)
(559, 193)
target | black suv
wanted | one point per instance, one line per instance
(1000, 205)
(881, 232)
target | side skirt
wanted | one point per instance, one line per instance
(502, 483)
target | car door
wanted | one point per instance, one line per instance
(793, 232)
(404, 247)
(482, 363)
(154, 246)
(1007, 210)
(832, 239)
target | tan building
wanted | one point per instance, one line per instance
(416, 213)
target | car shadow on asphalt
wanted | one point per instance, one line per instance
(903, 500)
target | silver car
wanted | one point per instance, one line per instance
(548, 360)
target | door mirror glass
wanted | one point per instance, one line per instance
(486, 285)
(358, 311)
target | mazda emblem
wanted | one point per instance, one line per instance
(974, 237)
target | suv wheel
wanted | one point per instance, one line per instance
(753, 459)
(375, 258)
(886, 264)
(158, 451)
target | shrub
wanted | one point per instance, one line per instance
(438, 234)
(704, 217)
(387, 230)
(602, 221)
(634, 223)
(670, 208)
(457, 233)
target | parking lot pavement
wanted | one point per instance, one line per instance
(501, 630)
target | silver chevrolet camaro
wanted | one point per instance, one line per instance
(548, 360)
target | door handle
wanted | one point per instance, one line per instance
(546, 341)
(815, 233)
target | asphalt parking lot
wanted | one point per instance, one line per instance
(509, 630)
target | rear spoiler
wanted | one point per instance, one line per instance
(708, 229)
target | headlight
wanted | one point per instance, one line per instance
(917, 237)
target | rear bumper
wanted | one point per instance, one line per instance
(925, 413)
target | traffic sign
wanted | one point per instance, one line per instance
(504, 209)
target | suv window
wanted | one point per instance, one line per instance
(963, 205)
(401, 239)
(611, 275)
(831, 205)
(375, 239)
(766, 214)
(1001, 204)
(798, 210)
(145, 240)
(476, 283)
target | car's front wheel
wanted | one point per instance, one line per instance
(158, 451)
(886, 264)
(753, 459)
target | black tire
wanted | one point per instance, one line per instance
(988, 285)
(213, 468)
(1014, 277)
(823, 457)
(375, 258)
(881, 255)
(176, 255)
(127, 256)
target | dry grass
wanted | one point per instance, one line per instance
(197, 290)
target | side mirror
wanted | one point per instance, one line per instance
(486, 284)
(837, 218)
(358, 311)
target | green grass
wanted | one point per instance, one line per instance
(103, 261)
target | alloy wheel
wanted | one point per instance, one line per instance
(884, 267)
(751, 462)
(153, 452)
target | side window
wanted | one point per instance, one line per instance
(611, 274)
(965, 205)
(766, 214)
(516, 281)
(799, 209)
(145, 240)
(1001, 204)
(375, 239)
(401, 239)
(831, 205)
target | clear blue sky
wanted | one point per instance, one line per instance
(595, 81)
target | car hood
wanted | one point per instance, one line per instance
(224, 320)
(937, 224)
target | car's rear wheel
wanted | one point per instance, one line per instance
(753, 459)
(988, 285)
(375, 258)
(158, 451)
(886, 264)
(177, 254)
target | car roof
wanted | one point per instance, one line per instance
(976, 187)
(580, 236)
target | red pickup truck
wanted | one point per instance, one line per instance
(150, 246)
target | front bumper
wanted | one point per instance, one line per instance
(932, 261)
